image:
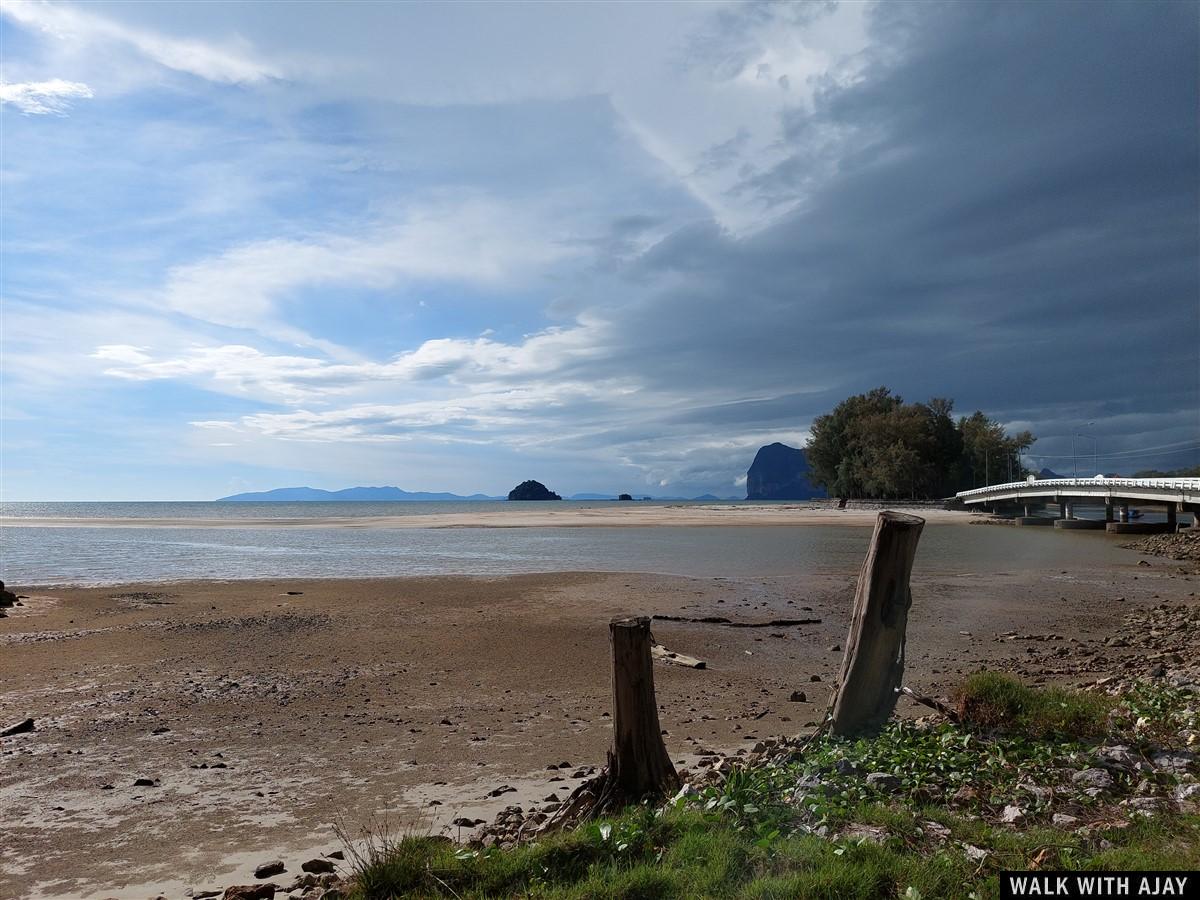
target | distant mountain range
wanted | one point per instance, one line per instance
(293, 494)
(354, 493)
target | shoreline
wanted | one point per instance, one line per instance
(266, 710)
(593, 517)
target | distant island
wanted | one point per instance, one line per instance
(532, 490)
(355, 493)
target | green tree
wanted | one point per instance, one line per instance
(876, 445)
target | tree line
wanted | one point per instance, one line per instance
(876, 445)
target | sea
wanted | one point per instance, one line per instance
(46, 555)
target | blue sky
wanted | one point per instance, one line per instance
(608, 246)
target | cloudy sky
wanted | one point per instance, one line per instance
(609, 246)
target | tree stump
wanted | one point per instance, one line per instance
(873, 666)
(638, 763)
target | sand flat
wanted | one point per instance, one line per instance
(539, 516)
(268, 710)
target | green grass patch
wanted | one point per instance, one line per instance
(991, 700)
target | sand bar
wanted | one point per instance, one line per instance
(541, 516)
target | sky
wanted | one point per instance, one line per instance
(613, 247)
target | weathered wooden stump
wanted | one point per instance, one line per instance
(639, 767)
(638, 763)
(873, 667)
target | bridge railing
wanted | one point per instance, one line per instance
(1166, 484)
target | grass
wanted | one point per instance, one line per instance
(991, 700)
(686, 853)
(779, 829)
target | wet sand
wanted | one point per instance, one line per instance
(540, 515)
(266, 711)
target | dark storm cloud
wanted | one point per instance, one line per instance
(1012, 222)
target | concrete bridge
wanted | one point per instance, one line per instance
(1023, 498)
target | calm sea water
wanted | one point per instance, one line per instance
(32, 556)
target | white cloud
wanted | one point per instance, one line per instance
(41, 98)
(234, 63)
(470, 240)
(482, 363)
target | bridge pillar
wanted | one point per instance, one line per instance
(1108, 512)
(1068, 509)
(1123, 512)
(1172, 518)
(1028, 510)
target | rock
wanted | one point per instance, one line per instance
(936, 830)
(1185, 793)
(975, 854)
(1096, 779)
(1175, 762)
(871, 833)
(1012, 815)
(1062, 820)
(465, 822)
(145, 782)
(250, 892)
(7, 597)
(883, 781)
(1120, 758)
(532, 490)
(332, 893)
(317, 866)
(25, 725)
(269, 868)
(780, 472)
(845, 767)
(814, 678)
(834, 648)
(1146, 806)
(798, 697)
(685, 793)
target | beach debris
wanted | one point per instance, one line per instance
(269, 868)
(25, 725)
(662, 654)
(317, 866)
(729, 623)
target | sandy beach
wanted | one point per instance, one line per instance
(539, 515)
(264, 712)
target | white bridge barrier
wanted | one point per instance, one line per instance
(1152, 490)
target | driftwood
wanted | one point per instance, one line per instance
(639, 767)
(19, 728)
(670, 656)
(873, 666)
(729, 623)
(932, 702)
